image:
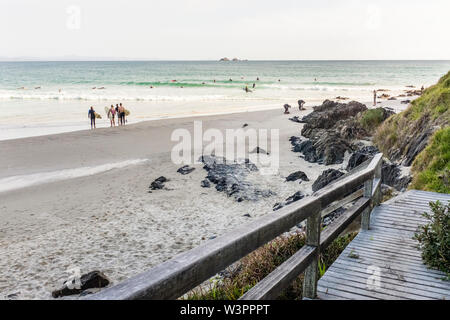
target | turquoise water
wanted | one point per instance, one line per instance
(50, 97)
(132, 80)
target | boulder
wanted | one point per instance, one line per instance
(327, 177)
(360, 156)
(158, 183)
(205, 184)
(297, 176)
(94, 279)
(185, 170)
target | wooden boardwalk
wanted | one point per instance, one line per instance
(384, 262)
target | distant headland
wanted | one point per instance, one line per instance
(234, 59)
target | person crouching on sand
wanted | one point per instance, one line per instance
(111, 116)
(91, 114)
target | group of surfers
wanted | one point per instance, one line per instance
(118, 111)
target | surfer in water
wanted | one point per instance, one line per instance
(111, 116)
(91, 115)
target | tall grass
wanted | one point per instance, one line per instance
(260, 263)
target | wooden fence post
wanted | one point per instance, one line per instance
(313, 227)
(365, 216)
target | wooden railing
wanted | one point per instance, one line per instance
(173, 278)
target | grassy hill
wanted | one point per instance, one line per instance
(420, 136)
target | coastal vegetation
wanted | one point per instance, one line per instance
(420, 136)
(431, 169)
(260, 263)
(434, 237)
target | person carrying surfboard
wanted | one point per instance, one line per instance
(111, 116)
(91, 114)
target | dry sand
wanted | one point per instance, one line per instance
(107, 220)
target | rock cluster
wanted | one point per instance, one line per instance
(158, 184)
(230, 178)
(294, 198)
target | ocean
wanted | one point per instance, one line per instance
(39, 98)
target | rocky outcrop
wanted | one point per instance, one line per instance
(391, 175)
(230, 178)
(94, 279)
(330, 129)
(360, 156)
(327, 177)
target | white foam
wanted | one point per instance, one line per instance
(23, 181)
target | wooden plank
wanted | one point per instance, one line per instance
(360, 289)
(393, 273)
(392, 266)
(336, 205)
(341, 223)
(406, 278)
(437, 293)
(272, 285)
(395, 288)
(389, 259)
(393, 248)
(324, 293)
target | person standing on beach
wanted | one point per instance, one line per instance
(118, 114)
(374, 98)
(91, 114)
(122, 114)
(111, 116)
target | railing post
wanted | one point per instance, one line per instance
(313, 226)
(365, 216)
(378, 194)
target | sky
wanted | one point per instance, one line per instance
(212, 29)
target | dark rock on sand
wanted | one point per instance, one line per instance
(327, 177)
(360, 156)
(391, 176)
(185, 170)
(94, 279)
(296, 176)
(158, 184)
(296, 119)
(247, 215)
(205, 184)
(294, 198)
(230, 178)
(406, 101)
(245, 125)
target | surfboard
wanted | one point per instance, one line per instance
(98, 116)
(127, 112)
(106, 111)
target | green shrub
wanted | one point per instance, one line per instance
(371, 119)
(434, 238)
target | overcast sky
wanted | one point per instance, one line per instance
(211, 29)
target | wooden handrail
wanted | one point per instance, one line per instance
(175, 277)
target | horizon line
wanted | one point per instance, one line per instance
(104, 59)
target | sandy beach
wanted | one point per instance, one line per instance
(81, 199)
